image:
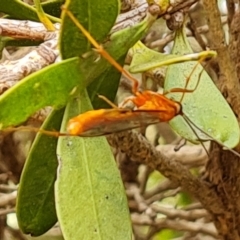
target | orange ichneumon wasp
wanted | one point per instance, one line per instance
(151, 107)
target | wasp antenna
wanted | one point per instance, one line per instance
(36, 130)
(99, 48)
(189, 122)
(83, 30)
(210, 137)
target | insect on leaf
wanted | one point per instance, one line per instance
(90, 198)
(206, 106)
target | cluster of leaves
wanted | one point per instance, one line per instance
(86, 195)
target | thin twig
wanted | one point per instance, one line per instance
(178, 213)
(139, 149)
(6, 211)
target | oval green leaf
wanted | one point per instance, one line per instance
(145, 59)
(97, 17)
(36, 212)
(53, 7)
(90, 198)
(20, 10)
(206, 106)
(52, 86)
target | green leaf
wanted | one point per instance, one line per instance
(106, 85)
(20, 10)
(22, 42)
(145, 59)
(126, 38)
(97, 17)
(206, 106)
(53, 7)
(91, 201)
(167, 234)
(52, 86)
(36, 202)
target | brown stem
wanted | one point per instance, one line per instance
(226, 65)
